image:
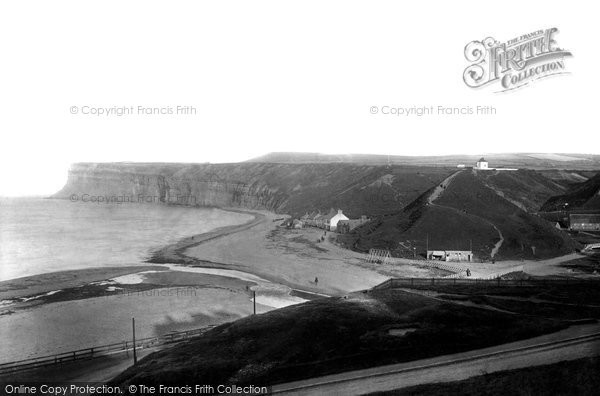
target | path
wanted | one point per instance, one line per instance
(437, 193)
(569, 344)
(439, 189)
(499, 243)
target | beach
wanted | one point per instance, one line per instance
(199, 280)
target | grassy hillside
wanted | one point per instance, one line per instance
(525, 188)
(584, 195)
(332, 335)
(577, 377)
(568, 177)
(466, 212)
(446, 229)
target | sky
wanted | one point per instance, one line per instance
(264, 76)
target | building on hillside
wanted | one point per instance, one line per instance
(297, 224)
(322, 220)
(345, 226)
(561, 225)
(584, 222)
(331, 220)
(310, 219)
(327, 221)
(482, 164)
(450, 255)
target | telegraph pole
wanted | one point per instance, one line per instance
(134, 351)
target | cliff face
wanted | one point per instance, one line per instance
(202, 185)
(283, 188)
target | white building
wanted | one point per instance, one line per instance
(333, 221)
(450, 255)
(482, 164)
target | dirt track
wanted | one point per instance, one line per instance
(536, 351)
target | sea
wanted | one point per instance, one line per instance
(40, 235)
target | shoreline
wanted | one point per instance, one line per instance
(175, 252)
(84, 280)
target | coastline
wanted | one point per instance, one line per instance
(174, 253)
(250, 248)
(65, 310)
(80, 284)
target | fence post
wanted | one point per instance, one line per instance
(134, 351)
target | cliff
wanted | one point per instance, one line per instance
(283, 188)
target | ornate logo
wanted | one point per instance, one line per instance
(514, 63)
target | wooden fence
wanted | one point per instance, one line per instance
(394, 283)
(454, 267)
(97, 351)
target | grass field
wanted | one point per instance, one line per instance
(574, 294)
(333, 335)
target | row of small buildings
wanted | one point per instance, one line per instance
(580, 222)
(334, 220)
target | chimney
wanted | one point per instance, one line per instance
(339, 211)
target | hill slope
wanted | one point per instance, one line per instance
(331, 335)
(468, 211)
(584, 195)
(525, 188)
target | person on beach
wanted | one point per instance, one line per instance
(316, 280)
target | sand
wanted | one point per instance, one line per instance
(294, 258)
(38, 284)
